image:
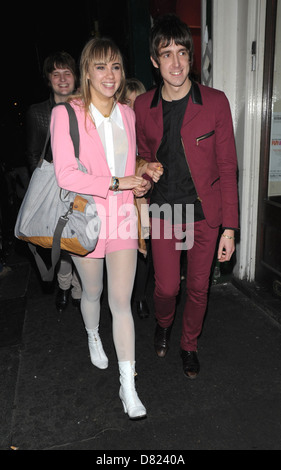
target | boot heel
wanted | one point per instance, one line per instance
(127, 393)
(124, 406)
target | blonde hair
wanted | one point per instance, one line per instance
(98, 50)
(132, 85)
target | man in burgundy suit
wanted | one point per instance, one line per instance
(188, 128)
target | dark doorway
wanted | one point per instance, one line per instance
(268, 264)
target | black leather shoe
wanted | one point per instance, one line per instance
(190, 363)
(62, 299)
(142, 309)
(161, 340)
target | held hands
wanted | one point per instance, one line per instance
(139, 185)
(154, 170)
(226, 246)
(142, 189)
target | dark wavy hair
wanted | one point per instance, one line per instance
(59, 59)
(170, 28)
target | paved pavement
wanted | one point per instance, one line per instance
(52, 398)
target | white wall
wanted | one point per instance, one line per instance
(236, 24)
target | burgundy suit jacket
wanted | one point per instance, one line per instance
(208, 142)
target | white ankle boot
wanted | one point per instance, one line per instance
(128, 395)
(98, 356)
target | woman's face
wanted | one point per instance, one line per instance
(104, 78)
(131, 98)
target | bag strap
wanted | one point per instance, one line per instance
(73, 130)
(73, 127)
(44, 151)
(48, 274)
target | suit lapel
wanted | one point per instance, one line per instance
(191, 112)
(194, 105)
(157, 116)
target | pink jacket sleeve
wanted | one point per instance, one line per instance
(68, 175)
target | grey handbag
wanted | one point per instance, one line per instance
(54, 218)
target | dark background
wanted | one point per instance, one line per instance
(37, 29)
(32, 30)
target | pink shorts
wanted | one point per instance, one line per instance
(119, 229)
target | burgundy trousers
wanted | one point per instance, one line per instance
(166, 260)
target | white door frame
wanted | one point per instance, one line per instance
(239, 73)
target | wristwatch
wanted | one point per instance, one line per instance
(115, 184)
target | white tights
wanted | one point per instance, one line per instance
(121, 269)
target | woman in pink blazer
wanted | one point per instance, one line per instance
(108, 151)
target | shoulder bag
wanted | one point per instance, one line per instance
(55, 218)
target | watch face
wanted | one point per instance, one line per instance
(115, 184)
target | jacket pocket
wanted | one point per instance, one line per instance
(205, 136)
(215, 181)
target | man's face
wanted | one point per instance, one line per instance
(174, 65)
(62, 82)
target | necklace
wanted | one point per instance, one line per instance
(112, 107)
(92, 107)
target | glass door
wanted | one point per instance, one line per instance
(269, 222)
(274, 174)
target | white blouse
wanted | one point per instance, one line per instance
(114, 139)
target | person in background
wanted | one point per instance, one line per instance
(134, 88)
(108, 151)
(188, 128)
(60, 75)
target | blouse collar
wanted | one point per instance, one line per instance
(99, 118)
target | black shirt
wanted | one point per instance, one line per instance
(175, 186)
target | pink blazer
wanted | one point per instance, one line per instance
(97, 181)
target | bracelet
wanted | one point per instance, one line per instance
(228, 237)
(115, 184)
